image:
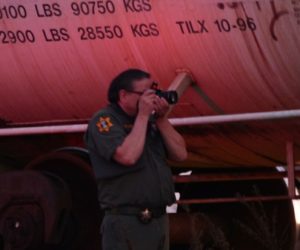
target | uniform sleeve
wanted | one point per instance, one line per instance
(107, 134)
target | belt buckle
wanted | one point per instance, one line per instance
(145, 216)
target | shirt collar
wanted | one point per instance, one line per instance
(120, 111)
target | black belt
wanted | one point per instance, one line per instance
(144, 214)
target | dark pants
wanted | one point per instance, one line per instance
(126, 232)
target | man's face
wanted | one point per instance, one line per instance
(133, 96)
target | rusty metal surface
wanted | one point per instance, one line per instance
(85, 212)
(58, 58)
(28, 216)
(249, 210)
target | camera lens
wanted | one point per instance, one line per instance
(170, 96)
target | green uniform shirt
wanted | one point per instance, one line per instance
(148, 183)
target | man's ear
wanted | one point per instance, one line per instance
(122, 94)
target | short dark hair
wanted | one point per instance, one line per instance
(124, 81)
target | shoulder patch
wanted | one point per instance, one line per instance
(104, 124)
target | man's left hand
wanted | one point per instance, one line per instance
(161, 107)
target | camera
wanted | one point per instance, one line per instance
(170, 96)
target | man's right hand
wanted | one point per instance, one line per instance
(147, 102)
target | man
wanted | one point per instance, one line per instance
(129, 142)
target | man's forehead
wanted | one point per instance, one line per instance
(143, 83)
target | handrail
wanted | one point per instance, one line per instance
(187, 121)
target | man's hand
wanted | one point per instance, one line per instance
(161, 107)
(147, 102)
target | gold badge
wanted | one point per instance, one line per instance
(104, 124)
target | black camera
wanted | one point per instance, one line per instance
(170, 96)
